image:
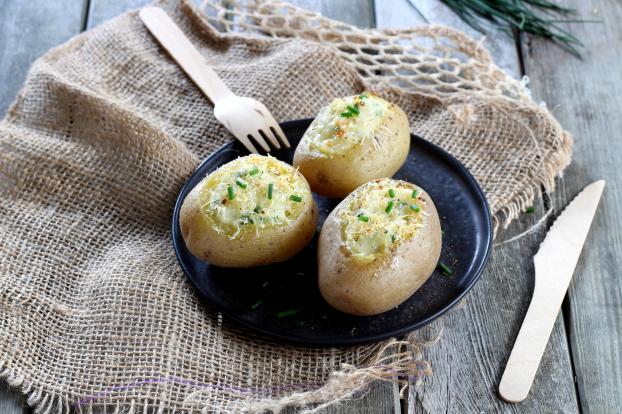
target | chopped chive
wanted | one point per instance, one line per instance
(446, 270)
(288, 312)
(257, 209)
(246, 219)
(363, 217)
(393, 238)
(264, 284)
(389, 207)
(346, 114)
(254, 171)
(230, 193)
(270, 189)
(257, 304)
(363, 96)
(415, 194)
(391, 192)
(415, 208)
(354, 109)
(530, 210)
(295, 198)
(240, 182)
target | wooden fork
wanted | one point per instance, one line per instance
(246, 118)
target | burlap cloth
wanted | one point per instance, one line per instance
(94, 310)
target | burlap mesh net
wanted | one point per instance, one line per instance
(94, 310)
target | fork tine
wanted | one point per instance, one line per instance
(247, 143)
(276, 130)
(270, 136)
(259, 139)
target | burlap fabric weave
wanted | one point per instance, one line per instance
(94, 310)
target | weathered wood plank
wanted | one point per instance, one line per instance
(469, 359)
(586, 96)
(356, 12)
(102, 10)
(400, 13)
(11, 401)
(27, 30)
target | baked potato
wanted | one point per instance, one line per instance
(378, 246)
(352, 141)
(252, 211)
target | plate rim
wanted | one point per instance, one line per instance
(175, 230)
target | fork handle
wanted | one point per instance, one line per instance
(170, 36)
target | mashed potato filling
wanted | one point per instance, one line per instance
(380, 216)
(346, 123)
(251, 193)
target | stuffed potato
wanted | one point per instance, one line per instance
(252, 211)
(378, 246)
(352, 141)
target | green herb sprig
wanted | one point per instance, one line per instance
(537, 17)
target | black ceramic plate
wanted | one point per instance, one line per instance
(292, 285)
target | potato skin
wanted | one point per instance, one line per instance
(271, 245)
(363, 288)
(338, 175)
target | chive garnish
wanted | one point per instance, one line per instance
(415, 208)
(363, 217)
(415, 194)
(446, 270)
(354, 109)
(391, 193)
(230, 193)
(288, 312)
(257, 209)
(393, 238)
(346, 114)
(257, 304)
(270, 189)
(253, 171)
(264, 284)
(530, 210)
(389, 207)
(240, 182)
(362, 96)
(295, 198)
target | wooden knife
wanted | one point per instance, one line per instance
(554, 264)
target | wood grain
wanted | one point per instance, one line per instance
(586, 97)
(27, 30)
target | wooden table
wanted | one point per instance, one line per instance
(582, 368)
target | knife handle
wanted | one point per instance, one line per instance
(529, 347)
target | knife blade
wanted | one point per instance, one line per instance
(554, 265)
